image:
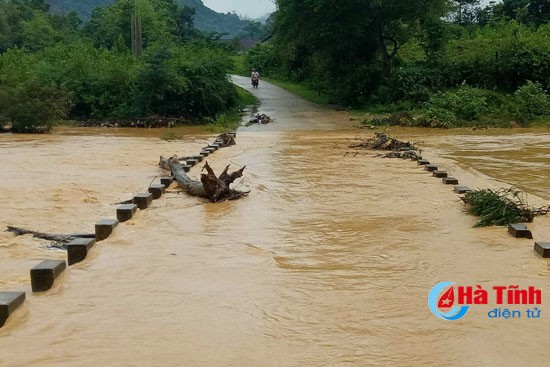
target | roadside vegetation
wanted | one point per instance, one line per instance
(54, 67)
(435, 64)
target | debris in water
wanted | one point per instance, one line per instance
(398, 148)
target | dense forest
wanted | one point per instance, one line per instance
(205, 19)
(452, 62)
(53, 66)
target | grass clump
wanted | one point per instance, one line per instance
(499, 207)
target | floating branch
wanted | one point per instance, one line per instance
(57, 240)
(48, 236)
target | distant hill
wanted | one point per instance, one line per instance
(206, 19)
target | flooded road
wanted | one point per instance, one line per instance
(328, 261)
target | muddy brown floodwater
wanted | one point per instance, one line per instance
(328, 262)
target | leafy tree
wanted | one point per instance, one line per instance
(348, 46)
(26, 23)
(535, 12)
(465, 11)
(158, 20)
(504, 55)
(32, 107)
(28, 102)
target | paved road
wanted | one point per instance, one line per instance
(291, 112)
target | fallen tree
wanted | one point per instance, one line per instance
(215, 188)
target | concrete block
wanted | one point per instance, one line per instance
(450, 181)
(543, 248)
(9, 302)
(430, 167)
(439, 174)
(43, 275)
(78, 248)
(104, 228)
(462, 189)
(143, 200)
(423, 162)
(519, 230)
(204, 153)
(166, 181)
(233, 134)
(126, 212)
(197, 157)
(157, 191)
(213, 146)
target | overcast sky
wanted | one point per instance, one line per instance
(247, 8)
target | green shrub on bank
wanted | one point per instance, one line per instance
(28, 103)
(531, 101)
(453, 107)
(32, 107)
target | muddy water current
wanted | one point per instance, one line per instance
(328, 261)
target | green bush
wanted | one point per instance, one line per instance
(32, 107)
(455, 107)
(531, 100)
(413, 83)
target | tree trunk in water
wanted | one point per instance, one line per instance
(216, 189)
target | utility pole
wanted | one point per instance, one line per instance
(135, 25)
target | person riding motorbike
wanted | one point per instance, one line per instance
(255, 78)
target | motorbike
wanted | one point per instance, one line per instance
(255, 82)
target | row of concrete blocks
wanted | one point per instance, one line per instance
(437, 173)
(190, 161)
(518, 230)
(44, 274)
(78, 248)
